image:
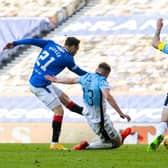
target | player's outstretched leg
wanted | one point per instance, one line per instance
(153, 146)
(95, 145)
(81, 146)
(102, 145)
(69, 104)
(125, 133)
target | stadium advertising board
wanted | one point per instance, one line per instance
(23, 117)
(122, 24)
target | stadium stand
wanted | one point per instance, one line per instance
(136, 66)
(16, 24)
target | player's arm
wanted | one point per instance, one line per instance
(113, 103)
(156, 39)
(76, 69)
(156, 42)
(62, 80)
(79, 71)
(30, 41)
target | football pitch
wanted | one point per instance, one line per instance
(38, 155)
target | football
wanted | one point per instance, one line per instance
(165, 142)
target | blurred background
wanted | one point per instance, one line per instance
(115, 31)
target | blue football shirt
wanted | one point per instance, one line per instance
(52, 59)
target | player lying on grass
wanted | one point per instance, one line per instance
(96, 91)
(163, 125)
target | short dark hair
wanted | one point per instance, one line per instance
(70, 41)
(106, 67)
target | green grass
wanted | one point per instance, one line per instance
(39, 156)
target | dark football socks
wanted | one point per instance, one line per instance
(56, 125)
(74, 107)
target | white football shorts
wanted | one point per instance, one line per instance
(107, 129)
(48, 95)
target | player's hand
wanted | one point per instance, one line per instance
(128, 118)
(125, 116)
(159, 24)
(51, 78)
(8, 46)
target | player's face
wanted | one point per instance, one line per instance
(73, 49)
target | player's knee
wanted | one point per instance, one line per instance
(64, 99)
(58, 110)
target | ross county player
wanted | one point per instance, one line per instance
(52, 59)
(163, 125)
(96, 91)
